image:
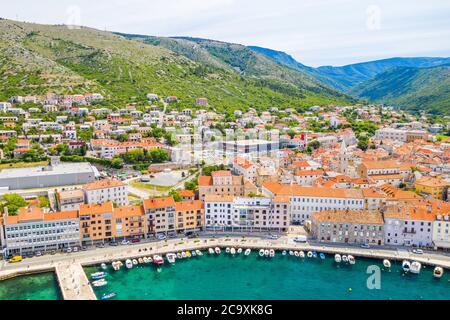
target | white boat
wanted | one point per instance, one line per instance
(183, 254)
(272, 253)
(247, 252)
(100, 283)
(438, 272)
(309, 254)
(198, 252)
(179, 255)
(296, 253)
(416, 267)
(211, 251)
(129, 264)
(194, 254)
(344, 258)
(322, 256)
(239, 251)
(233, 251)
(284, 253)
(351, 260)
(171, 257)
(217, 250)
(301, 254)
(104, 266)
(386, 263)
(115, 265)
(150, 259)
(98, 274)
(227, 250)
(158, 259)
(261, 253)
(135, 262)
(141, 261)
(291, 253)
(406, 265)
(266, 252)
(145, 260)
(337, 258)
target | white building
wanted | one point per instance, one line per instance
(102, 191)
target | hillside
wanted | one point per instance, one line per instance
(35, 59)
(413, 89)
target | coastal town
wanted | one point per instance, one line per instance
(77, 174)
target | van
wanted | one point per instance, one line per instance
(15, 259)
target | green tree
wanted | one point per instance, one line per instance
(175, 195)
(13, 202)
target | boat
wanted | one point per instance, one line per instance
(416, 267)
(337, 258)
(239, 251)
(344, 258)
(351, 259)
(301, 254)
(261, 253)
(309, 254)
(322, 255)
(179, 256)
(98, 277)
(233, 251)
(104, 266)
(217, 250)
(406, 265)
(194, 254)
(211, 251)
(266, 252)
(141, 261)
(183, 254)
(386, 263)
(188, 254)
(284, 252)
(135, 262)
(150, 259)
(227, 250)
(314, 254)
(129, 264)
(100, 283)
(296, 253)
(158, 259)
(438, 272)
(291, 253)
(272, 253)
(145, 260)
(98, 274)
(115, 265)
(199, 253)
(171, 257)
(108, 296)
(247, 252)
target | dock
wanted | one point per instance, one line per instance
(73, 282)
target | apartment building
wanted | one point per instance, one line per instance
(225, 184)
(189, 216)
(128, 222)
(381, 172)
(245, 168)
(96, 222)
(33, 230)
(401, 135)
(70, 200)
(160, 214)
(348, 226)
(433, 186)
(101, 191)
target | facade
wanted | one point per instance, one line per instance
(400, 135)
(96, 221)
(106, 190)
(128, 222)
(348, 226)
(381, 172)
(254, 147)
(70, 200)
(160, 215)
(434, 186)
(189, 216)
(224, 184)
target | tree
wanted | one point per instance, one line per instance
(13, 202)
(191, 185)
(314, 144)
(158, 155)
(117, 163)
(175, 195)
(363, 143)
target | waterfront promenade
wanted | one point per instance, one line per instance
(74, 283)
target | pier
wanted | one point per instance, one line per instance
(74, 283)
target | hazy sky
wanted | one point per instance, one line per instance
(315, 32)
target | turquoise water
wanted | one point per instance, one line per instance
(33, 287)
(226, 277)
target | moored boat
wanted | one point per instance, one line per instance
(309, 254)
(141, 261)
(314, 254)
(247, 252)
(261, 253)
(322, 255)
(266, 252)
(344, 258)
(198, 252)
(183, 255)
(108, 296)
(188, 254)
(291, 253)
(284, 252)
(406, 266)
(211, 251)
(135, 262)
(98, 274)
(217, 250)
(438, 272)
(227, 250)
(100, 283)
(179, 255)
(416, 267)
(115, 265)
(351, 259)
(150, 259)
(301, 254)
(239, 251)
(337, 258)
(145, 260)
(386, 263)
(129, 264)
(158, 259)
(233, 251)
(194, 254)
(104, 266)
(296, 253)
(272, 253)
(171, 257)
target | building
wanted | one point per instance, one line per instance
(101, 191)
(381, 172)
(225, 184)
(128, 222)
(96, 221)
(401, 135)
(433, 186)
(160, 215)
(70, 200)
(33, 230)
(189, 216)
(51, 176)
(245, 168)
(255, 147)
(348, 226)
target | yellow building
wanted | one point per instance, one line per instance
(434, 186)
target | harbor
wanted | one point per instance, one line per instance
(74, 283)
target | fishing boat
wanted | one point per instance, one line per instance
(344, 258)
(183, 255)
(272, 253)
(284, 252)
(104, 266)
(158, 259)
(211, 251)
(171, 257)
(141, 261)
(301, 254)
(108, 296)
(188, 254)
(416, 267)
(309, 254)
(199, 253)
(337, 258)
(322, 255)
(129, 264)
(291, 253)
(233, 251)
(386, 263)
(217, 250)
(247, 252)
(179, 255)
(145, 259)
(438, 272)
(239, 251)
(351, 259)
(296, 253)
(100, 283)
(266, 252)
(406, 265)
(135, 262)
(227, 250)
(261, 253)
(194, 254)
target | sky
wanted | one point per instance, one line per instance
(314, 32)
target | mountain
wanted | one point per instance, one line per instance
(413, 89)
(35, 59)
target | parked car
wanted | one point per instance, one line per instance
(417, 251)
(100, 245)
(365, 246)
(125, 242)
(135, 240)
(16, 259)
(75, 249)
(161, 237)
(68, 250)
(300, 239)
(113, 244)
(83, 248)
(273, 237)
(53, 252)
(38, 254)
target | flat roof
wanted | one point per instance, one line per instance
(64, 168)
